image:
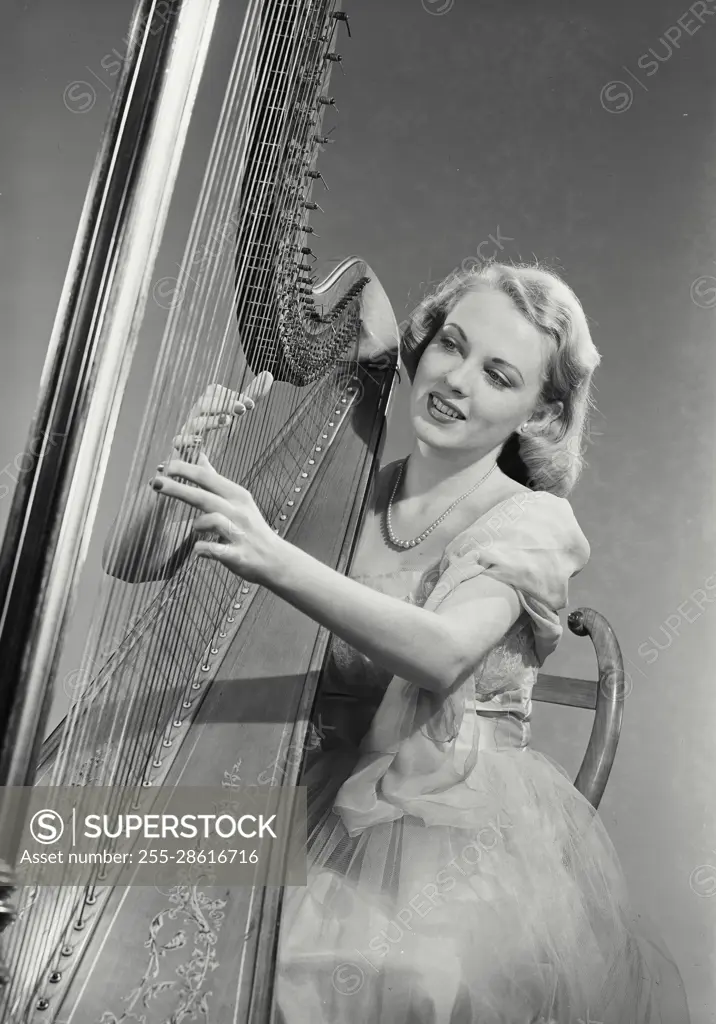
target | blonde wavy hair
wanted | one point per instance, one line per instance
(553, 459)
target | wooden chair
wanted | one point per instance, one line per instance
(605, 696)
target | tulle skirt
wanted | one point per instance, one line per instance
(522, 918)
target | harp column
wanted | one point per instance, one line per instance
(84, 375)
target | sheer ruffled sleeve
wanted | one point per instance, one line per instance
(419, 756)
(532, 542)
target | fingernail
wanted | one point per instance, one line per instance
(160, 467)
(157, 484)
(223, 420)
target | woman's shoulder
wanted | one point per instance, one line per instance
(524, 524)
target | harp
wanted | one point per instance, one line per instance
(189, 674)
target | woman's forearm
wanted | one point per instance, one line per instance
(408, 641)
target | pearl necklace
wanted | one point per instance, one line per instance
(416, 540)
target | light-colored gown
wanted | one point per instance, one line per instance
(455, 875)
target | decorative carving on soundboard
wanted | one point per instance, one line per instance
(196, 921)
(90, 772)
(232, 779)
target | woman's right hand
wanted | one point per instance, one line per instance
(215, 410)
(143, 547)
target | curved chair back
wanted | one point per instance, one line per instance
(604, 696)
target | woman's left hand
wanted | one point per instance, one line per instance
(248, 546)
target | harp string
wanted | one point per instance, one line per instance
(168, 386)
(133, 27)
(149, 686)
(148, 696)
(251, 199)
(170, 335)
(153, 697)
(203, 303)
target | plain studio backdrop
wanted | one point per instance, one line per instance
(582, 134)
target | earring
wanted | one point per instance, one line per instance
(523, 428)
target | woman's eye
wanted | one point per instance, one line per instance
(498, 379)
(448, 343)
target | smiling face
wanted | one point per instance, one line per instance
(480, 377)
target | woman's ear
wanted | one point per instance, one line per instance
(540, 420)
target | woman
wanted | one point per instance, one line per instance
(455, 875)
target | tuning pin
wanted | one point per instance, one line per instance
(312, 206)
(328, 101)
(316, 175)
(323, 140)
(306, 251)
(335, 58)
(342, 16)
